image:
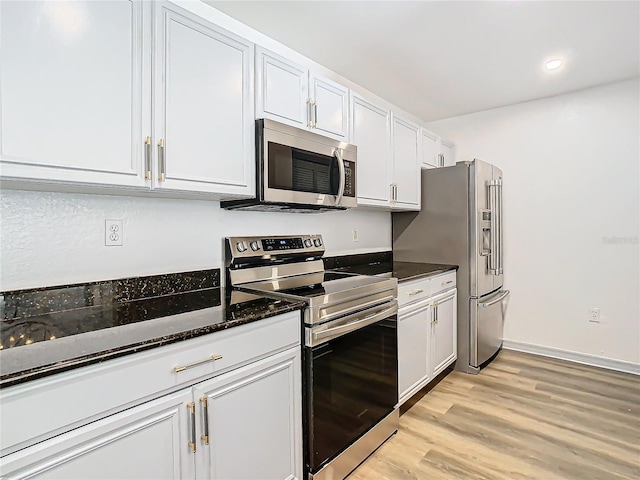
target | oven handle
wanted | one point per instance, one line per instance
(358, 322)
(338, 155)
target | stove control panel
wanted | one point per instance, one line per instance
(273, 246)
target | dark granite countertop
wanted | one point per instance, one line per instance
(47, 331)
(383, 264)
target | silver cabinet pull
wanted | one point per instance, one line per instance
(435, 313)
(182, 368)
(315, 114)
(192, 413)
(416, 292)
(309, 113)
(147, 158)
(446, 283)
(162, 162)
(205, 415)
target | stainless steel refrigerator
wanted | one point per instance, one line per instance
(461, 223)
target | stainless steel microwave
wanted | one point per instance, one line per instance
(300, 171)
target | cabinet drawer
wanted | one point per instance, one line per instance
(443, 282)
(58, 403)
(412, 291)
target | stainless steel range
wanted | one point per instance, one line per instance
(350, 358)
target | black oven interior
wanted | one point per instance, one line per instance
(350, 385)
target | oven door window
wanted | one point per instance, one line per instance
(352, 384)
(302, 171)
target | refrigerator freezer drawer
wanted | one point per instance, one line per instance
(487, 318)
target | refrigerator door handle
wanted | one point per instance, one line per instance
(505, 294)
(494, 247)
(499, 224)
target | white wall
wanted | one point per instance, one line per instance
(58, 238)
(571, 169)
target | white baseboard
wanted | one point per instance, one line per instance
(585, 358)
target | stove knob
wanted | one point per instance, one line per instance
(308, 243)
(254, 245)
(317, 242)
(241, 247)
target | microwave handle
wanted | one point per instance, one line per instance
(338, 155)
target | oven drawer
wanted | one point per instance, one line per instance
(413, 291)
(443, 282)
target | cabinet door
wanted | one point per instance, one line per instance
(406, 163)
(72, 89)
(281, 89)
(149, 441)
(444, 331)
(430, 149)
(203, 106)
(413, 349)
(370, 132)
(253, 421)
(331, 106)
(448, 153)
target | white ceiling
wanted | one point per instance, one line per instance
(439, 59)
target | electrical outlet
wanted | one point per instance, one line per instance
(594, 314)
(355, 234)
(113, 233)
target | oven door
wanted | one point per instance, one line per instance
(351, 381)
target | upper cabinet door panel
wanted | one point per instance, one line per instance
(72, 91)
(406, 158)
(370, 132)
(281, 89)
(203, 104)
(448, 152)
(429, 149)
(331, 109)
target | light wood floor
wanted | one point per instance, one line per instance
(522, 417)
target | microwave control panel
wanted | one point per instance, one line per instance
(349, 178)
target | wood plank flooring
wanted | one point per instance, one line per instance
(523, 417)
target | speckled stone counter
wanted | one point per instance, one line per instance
(50, 330)
(382, 264)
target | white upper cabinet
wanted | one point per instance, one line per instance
(370, 132)
(289, 93)
(448, 153)
(78, 109)
(72, 90)
(436, 152)
(204, 124)
(407, 149)
(329, 107)
(281, 89)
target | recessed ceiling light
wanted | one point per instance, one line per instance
(553, 64)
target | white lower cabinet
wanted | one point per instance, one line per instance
(250, 424)
(148, 441)
(427, 332)
(244, 422)
(413, 352)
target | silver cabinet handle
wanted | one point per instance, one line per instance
(416, 292)
(315, 114)
(161, 162)
(442, 284)
(504, 295)
(343, 178)
(205, 415)
(182, 368)
(147, 158)
(309, 116)
(192, 414)
(435, 313)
